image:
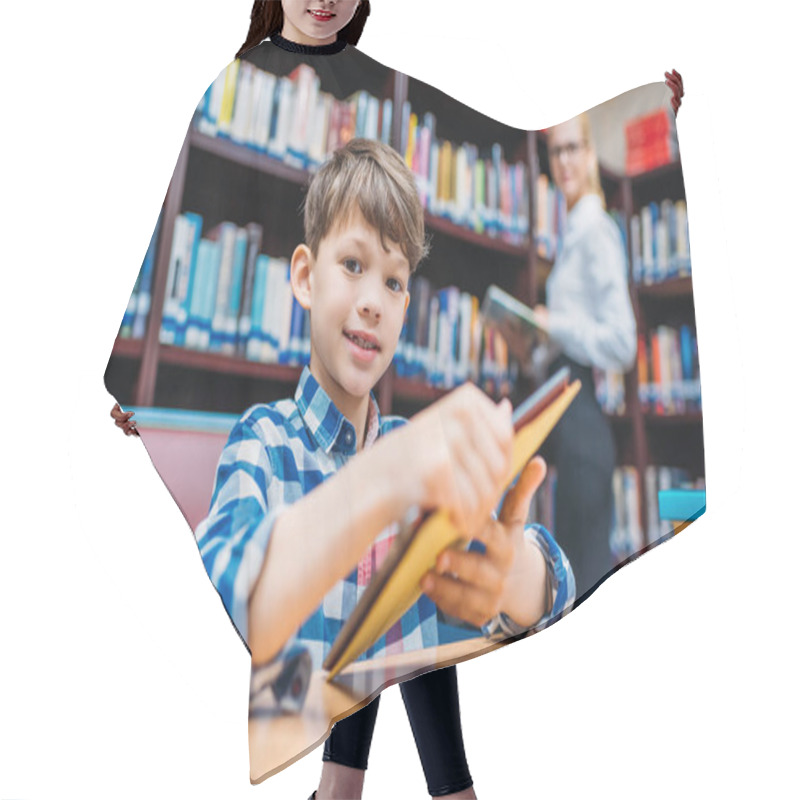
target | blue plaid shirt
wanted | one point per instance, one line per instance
(276, 454)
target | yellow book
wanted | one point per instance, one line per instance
(413, 122)
(228, 96)
(395, 586)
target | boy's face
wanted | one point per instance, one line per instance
(357, 293)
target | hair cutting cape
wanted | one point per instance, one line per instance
(212, 331)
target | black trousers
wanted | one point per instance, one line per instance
(431, 702)
(581, 448)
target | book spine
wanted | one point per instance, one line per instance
(169, 313)
(185, 275)
(255, 234)
(296, 333)
(210, 293)
(386, 122)
(255, 337)
(225, 116)
(286, 300)
(225, 235)
(242, 111)
(234, 295)
(192, 338)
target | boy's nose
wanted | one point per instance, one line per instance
(370, 305)
(370, 308)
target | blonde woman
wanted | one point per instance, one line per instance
(590, 323)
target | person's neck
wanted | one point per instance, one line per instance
(292, 34)
(576, 200)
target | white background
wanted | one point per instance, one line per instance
(121, 675)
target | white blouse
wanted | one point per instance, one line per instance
(589, 307)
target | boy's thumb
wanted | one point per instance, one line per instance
(518, 500)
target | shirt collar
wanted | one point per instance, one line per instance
(586, 208)
(329, 428)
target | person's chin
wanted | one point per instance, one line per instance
(363, 377)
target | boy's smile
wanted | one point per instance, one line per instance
(357, 293)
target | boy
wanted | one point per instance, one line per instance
(308, 489)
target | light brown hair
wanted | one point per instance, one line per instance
(372, 175)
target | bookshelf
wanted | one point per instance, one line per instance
(146, 372)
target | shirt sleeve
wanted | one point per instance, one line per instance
(245, 505)
(602, 335)
(560, 585)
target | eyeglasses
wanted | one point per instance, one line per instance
(569, 150)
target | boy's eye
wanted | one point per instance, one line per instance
(351, 265)
(394, 285)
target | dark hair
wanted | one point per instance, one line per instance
(266, 19)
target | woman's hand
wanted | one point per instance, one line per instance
(675, 82)
(541, 316)
(122, 419)
(509, 576)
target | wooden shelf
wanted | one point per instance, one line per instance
(659, 172)
(673, 287)
(443, 225)
(665, 420)
(230, 365)
(408, 389)
(248, 157)
(128, 348)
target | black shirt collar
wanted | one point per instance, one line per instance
(307, 49)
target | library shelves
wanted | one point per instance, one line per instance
(145, 372)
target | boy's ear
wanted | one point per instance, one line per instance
(300, 275)
(408, 300)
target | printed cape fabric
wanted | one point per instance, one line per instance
(213, 350)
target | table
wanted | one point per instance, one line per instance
(276, 741)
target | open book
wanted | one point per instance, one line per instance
(514, 320)
(395, 586)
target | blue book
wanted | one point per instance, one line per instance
(497, 162)
(399, 360)
(193, 337)
(654, 216)
(386, 121)
(214, 257)
(306, 341)
(296, 333)
(186, 275)
(235, 293)
(224, 235)
(256, 335)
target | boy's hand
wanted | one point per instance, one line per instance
(475, 587)
(457, 456)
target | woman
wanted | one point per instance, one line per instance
(590, 323)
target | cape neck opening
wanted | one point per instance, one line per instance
(308, 49)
